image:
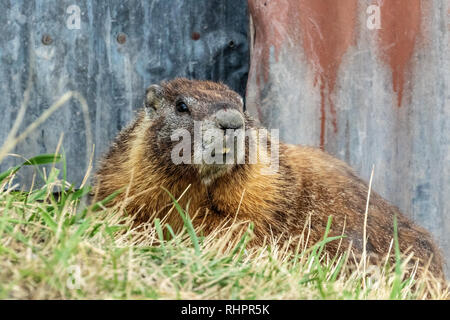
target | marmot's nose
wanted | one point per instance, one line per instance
(229, 119)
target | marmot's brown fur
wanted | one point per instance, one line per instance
(308, 182)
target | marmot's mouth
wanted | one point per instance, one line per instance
(225, 159)
(223, 152)
(209, 172)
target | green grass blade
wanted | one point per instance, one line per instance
(38, 160)
(48, 220)
(8, 172)
(42, 159)
(160, 234)
(187, 222)
(98, 205)
(396, 286)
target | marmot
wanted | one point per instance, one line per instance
(308, 183)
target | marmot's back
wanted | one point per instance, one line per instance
(339, 192)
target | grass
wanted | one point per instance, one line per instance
(61, 248)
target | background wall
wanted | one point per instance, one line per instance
(121, 48)
(366, 95)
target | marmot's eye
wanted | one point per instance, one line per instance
(182, 107)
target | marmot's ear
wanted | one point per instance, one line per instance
(153, 97)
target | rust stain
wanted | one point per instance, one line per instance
(271, 30)
(324, 28)
(328, 29)
(400, 27)
(269, 20)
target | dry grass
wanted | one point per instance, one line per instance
(58, 248)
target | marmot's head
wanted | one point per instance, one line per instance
(197, 126)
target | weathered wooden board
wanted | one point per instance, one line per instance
(324, 77)
(120, 48)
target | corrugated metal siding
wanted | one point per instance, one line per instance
(163, 39)
(367, 96)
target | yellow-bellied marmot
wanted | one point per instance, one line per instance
(308, 180)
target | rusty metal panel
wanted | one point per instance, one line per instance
(120, 48)
(327, 75)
